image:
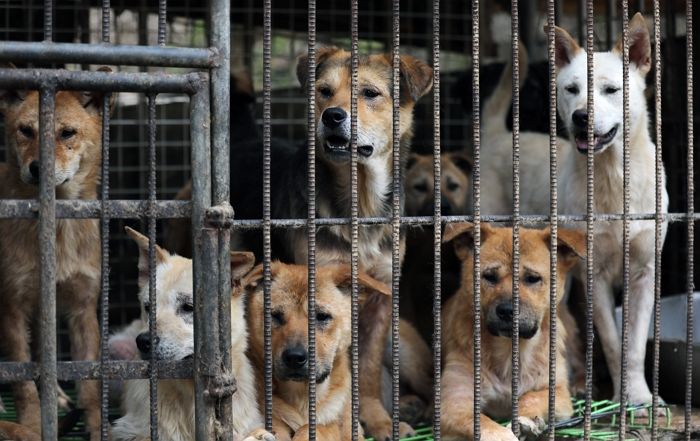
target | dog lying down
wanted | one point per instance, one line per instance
(175, 333)
(497, 323)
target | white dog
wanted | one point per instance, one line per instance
(175, 333)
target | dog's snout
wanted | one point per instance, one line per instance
(295, 357)
(445, 206)
(504, 311)
(34, 169)
(143, 342)
(333, 117)
(580, 118)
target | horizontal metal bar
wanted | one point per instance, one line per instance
(61, 79)
(90, 370)
(130, 55)
(92, 209)
(428, 220)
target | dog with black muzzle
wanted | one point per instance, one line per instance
(290, 372)
(497, 325)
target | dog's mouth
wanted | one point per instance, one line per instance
(188, 357)
(500, 328)
(599, 141)
(338, 148)
(302, 375)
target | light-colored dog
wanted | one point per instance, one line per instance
(175, 333)
(289, 297)
(497, 324)
(608, 148)
(78, 145)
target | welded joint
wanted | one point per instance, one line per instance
(219, 216)
(220, 386)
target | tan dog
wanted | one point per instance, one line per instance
(78, 138)
(497, 322)
(289, 346)
(175, 331)
(455, 184)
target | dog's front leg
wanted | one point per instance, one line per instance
(80, 295)
(535, 404)
(604, 320)
(324, 432)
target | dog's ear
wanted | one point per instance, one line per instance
(342, 277)
(565, 47)
(322, 54)
(416, 78)
(571, 246)
(640, 44)
(256, 275)
(242, 86)
(462, 237)
(10, 98)
(462, 161)
(241, 264)
(142, 242)
(92, 101)
(411, 161)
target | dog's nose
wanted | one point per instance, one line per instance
(504, 311)
(143, 342)
(333, 116)
(295, 357)
(445, 206)
(34, 169)
(580, 118)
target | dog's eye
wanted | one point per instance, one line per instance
(452, 186)
(370, 93)
(26, 131)
(490, 276)
(572, 89)
(611, 90)
(67, 133)
(422, 187)
(325, 91)
(323, 317)
(532, 279)
(187, 308)
(277, 317)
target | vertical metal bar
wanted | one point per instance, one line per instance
(354, 222)
(625, 219)
(691, 224)
(515, 355)
(220, 19)
(476, 192)
(152, 329)
(162, 21)
(311, 219)
(48, 20)
(395, 215)
(204, 262)
(590, 111)
(437, 227)
(267, 204)
(658, 222)
(553, 213)
(104, 242)
(610, 22)
(582, 20)
(47, 241)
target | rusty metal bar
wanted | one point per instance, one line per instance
(267, 209)
(691, 224)
(311, 218)
(515, 326)
(92, 209)
(100, 81)
(476, 195)
(437, 228)
(48, 21)
(93, 370)
(395, 214)
(553, 211)
(47, 241)
(105, 53)
(590, 204)
(162, 21)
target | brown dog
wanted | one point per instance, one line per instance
(289, 346)
(455, 184)
(497, 319)
(78, 128)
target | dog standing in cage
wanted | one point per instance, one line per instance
(175, 334)
(78, 131)
(608, 123)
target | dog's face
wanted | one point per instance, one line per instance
(497, 272)
(174, 300)
(374, 104)
(78, 133)
(289, 296)
(455, 184)
(572, 87)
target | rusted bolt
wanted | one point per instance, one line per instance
(219, 216)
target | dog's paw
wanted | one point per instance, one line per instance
(260, 435)
(530, 428)
(405, 430)
(497, 433)
(412, 409)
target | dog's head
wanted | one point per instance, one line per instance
(174, 300)
(572, 87)
(497, 272)
(374, 104)
(455, 184)
(78, 135)
(289, 296)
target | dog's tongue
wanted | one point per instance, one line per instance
(582, 143)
